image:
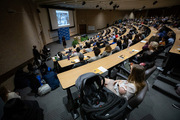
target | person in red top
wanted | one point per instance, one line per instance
(116, 36)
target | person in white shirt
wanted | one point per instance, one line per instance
(88, 49)
(97, 51)
(128, 88)
(76, 53)
(7, 95)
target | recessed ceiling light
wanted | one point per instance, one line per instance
(111, 3)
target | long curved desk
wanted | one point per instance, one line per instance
(66, 62)
(176, 47)
(68, 78)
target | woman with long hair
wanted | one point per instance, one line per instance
(127, 88)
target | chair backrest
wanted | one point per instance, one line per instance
(138, 98)
(149, 71)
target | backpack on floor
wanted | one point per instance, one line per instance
(96, 103)
(44, 89)
(51, 78)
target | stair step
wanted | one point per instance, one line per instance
(168, 79)
(166, 89)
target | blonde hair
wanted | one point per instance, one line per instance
(154, 45)
(108, 48)
(137, 77)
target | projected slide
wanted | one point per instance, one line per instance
(62, 18)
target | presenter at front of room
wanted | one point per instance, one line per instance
(64, 41)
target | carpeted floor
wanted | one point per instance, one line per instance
(155, 103)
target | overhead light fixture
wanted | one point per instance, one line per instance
(111, 3)
(97, 6)
(143, 7)
(83, 3)
(155, 2)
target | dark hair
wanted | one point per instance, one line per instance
(34, 46)
(97, 51)
(115, 40)
(98, 44)
(119, 44)
(60, 55)
(81, 57)
(153, 38)
(88, 45)
(129, 36)
(14, 109)
(77, 49)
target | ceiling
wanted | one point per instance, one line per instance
(104, 4)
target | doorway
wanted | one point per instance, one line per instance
(82, 28)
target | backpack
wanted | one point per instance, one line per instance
(95, 102)
(51, 78)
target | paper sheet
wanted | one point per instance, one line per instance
(143, 41)
(134, 50)
(53, 58)
(76, 60)
(100, 70)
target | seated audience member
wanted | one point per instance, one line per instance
(170, 39)
(97, 55)
(111, 37)
(107, 51)
(114, 41)
(81, 61)
(147, 58)
(153, 38)
(69, 52)
(118, 47)
(128, 88)
(88, 49)
(76, 53)
(125, 43)
(136, 39)
(86, 44)
(163, 41)
(129, 40)
(7, 94)
(98, 44)
(116, 36)
(17, 109)
(105, 43)
(94, 43)
(61, 56)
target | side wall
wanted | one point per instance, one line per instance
(20, 30)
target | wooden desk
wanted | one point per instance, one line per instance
(66, 62)
(68, 78)
(176, 45)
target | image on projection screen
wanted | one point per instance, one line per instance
(62, 18)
